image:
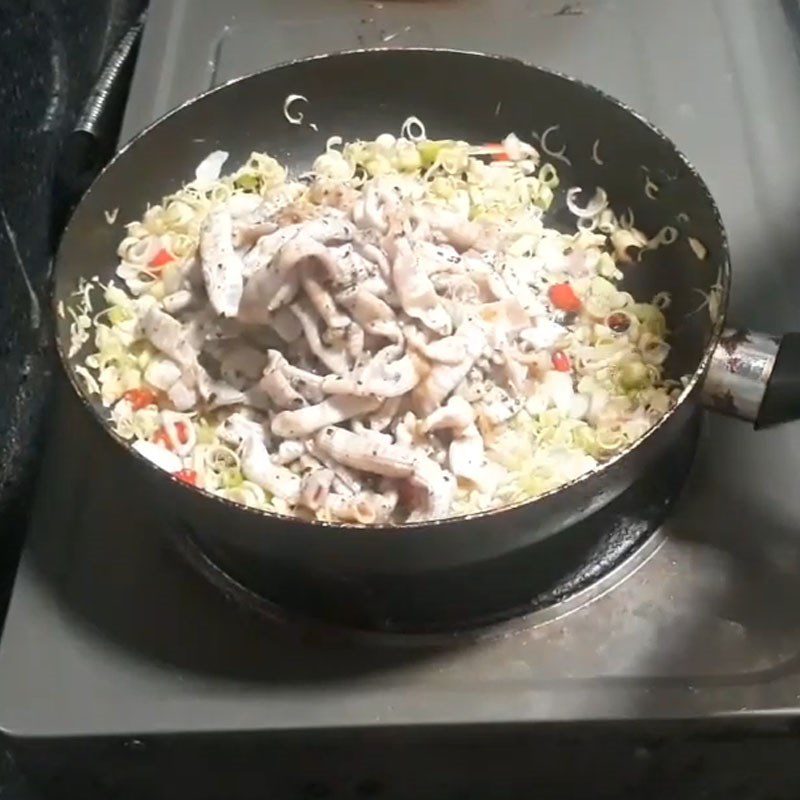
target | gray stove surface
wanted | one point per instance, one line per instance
(109, 633)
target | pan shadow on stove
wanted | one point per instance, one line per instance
(116, 577)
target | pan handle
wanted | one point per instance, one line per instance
(755, 377)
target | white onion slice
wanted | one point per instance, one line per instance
(294, 119)
(698, 248)
(210, 168)
(594, 207)
(596, 155)
(408, 127)
(561, 154)
(158, 455)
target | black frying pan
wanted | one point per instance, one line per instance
(480, 99)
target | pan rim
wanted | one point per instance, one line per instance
(689, 388)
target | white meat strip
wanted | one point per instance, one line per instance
(182, 395)
(498, 407)
(459, 288)
(166, 334)
(438, 384)
(245, 234)
(501, 319)
(364, 508)
(222, 267)
(285, 324)
(377, 380)
(559, 390)
(240, 363)
(253, 218)
(256, 398)
(406, 430)
(162, 373)
(381, 419)
(466, 455)
(457, 414)
(273, 285)
(345, 481)
(327, 230)
(247, 207)
(392, 379)
(415, 290)
(354, 269)
(516, 373)
(357, 426)
(375, 255)
(456, 229)
(267, 247)
(490, 285)
(368, 209)
(519, 288)
(335, 360)
(355, 341)
(366, 308)
(276, 283)
(304, 422)
(332, 229)
(447, 350)
(436, 258)
(236, 428)
(366, 453)
(324, 304)
(315, 488)
(288, 452)
(216, 393)
(387, 499)
(177, 301)
(544, 333)
(308, 384)
(258, 467)
(439, 487)
(277, 385)
(379, 320)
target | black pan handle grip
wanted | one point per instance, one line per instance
(755, 377)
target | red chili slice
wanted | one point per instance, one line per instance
(162, 438)
(561, 361)
(182, 431)
(140, 398)
(563, 297)
(498, 151)
(187, 476)
(161, 258)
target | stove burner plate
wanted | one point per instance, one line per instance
(543, 581)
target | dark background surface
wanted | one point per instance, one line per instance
(51, 52)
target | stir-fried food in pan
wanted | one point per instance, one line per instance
(395, 336)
